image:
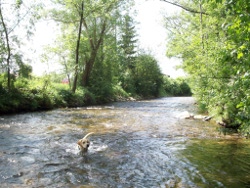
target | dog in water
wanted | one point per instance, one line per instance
(83, 144)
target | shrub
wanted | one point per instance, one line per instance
(148, 76)
(176, 87)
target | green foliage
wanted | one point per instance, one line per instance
(41, 94)
(148, 76)
(215, 52)
(128, 43)
(18, 4)
(119, 93)
(127, 81)
(108, 66)
(127, 53)
(176, 87)
(84, 42)
(15, 17)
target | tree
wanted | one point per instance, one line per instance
(94, 22)
(214, 51)
(7, 46)
(78, 46)
(128, 42)
(148, 76)
(186, 7)
(236, 53)
(127, 46)
(14, 15)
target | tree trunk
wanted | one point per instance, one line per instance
(201, 23)
(8, 47)
(77, 48)
(88, 68)
(94, 45)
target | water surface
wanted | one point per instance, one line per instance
(136, 144)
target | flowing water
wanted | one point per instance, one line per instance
(136, 144)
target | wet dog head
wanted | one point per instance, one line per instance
(83, 144)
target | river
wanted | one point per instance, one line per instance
(136, 144)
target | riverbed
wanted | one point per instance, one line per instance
(135, 144)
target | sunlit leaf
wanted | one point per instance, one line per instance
(240, 55)
(240, 105)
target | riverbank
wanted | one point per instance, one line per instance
(40, 99)
(53, 96)
(43, 94)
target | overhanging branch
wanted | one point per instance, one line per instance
(185, 8)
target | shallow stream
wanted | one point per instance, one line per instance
(136, 144)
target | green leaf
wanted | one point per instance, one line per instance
(240, 55)
(240, 105)
(18, 3)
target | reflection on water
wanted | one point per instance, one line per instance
(219, 163)
(136, 144)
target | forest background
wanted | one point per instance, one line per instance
(97, 46)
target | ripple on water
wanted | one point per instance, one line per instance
(28, 159)
(136, 144)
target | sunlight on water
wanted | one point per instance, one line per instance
(136, 144)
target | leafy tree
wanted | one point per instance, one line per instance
(176, 87)
(148, 76)
(14, 16)
(95, 19)
(105, 71)
(213, 43)
(236, 53)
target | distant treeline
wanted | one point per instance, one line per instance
(97, 48)
(53, 91)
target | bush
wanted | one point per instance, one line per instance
(40, 94)
(176, 87)
(148, 76)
